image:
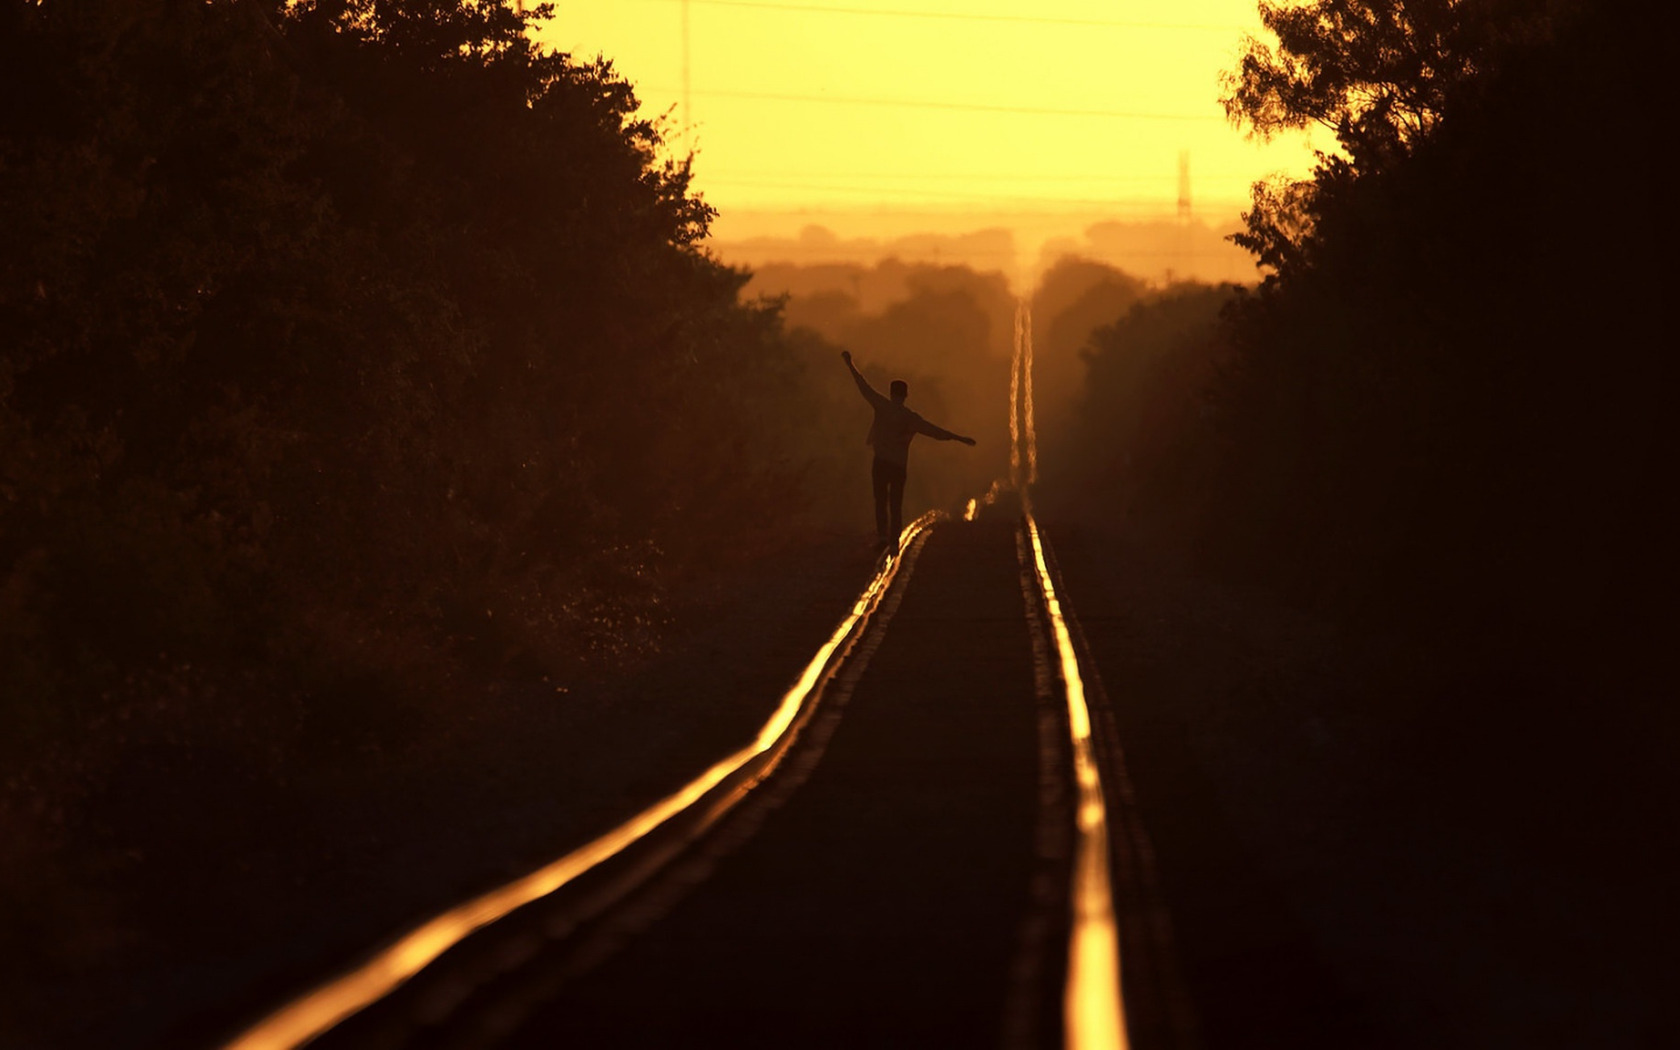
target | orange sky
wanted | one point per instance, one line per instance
(959, 105)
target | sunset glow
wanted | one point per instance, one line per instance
(940, 104)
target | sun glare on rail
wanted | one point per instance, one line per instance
(1030, 426)
(320, 1010)
(1015, 398)
(1093, 1012)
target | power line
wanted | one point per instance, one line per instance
(962, 16)
(783, 247)
(787, 249)
(969, 107)
(957, 176)
(703, 183)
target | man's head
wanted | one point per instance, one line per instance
(900, 390)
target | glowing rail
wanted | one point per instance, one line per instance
(318, 1011)
(1015, 399)
(1030, 426)
(1093, 1009)
(1093, 1013)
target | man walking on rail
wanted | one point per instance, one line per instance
(895, 424)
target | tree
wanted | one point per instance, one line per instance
(349, 338)
(1379, 75)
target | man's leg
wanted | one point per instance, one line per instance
(881, 476)
(895, 495)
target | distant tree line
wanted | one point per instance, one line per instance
(347, 349)
(1446, 407)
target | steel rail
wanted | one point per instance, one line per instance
(1093, 1004)
(311, 1015)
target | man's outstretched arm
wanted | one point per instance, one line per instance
(870, 394)
(941, 434)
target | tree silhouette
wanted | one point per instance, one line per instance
(1380, 76)
(348, 342)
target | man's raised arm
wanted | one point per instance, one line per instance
(870, 394)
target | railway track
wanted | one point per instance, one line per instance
(967, 868)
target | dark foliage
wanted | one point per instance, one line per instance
(1074, 297)
(1441, 428)
(1131, 448)
(348, 349)
(1443, 410)
(1450, 400)
(1380, 76)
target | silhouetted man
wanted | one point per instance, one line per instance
(890, 435)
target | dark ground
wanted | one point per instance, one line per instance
(1354, 853)
(1364, 845)
(226, 904)
(883, 904)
